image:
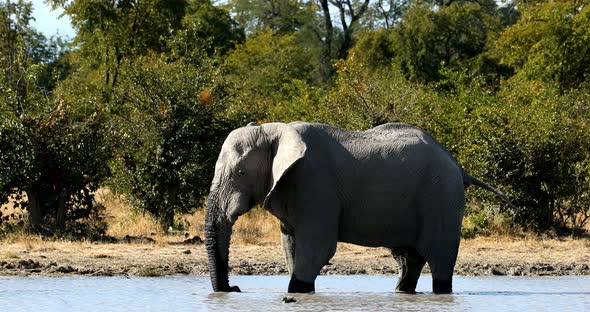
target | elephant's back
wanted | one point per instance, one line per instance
(392, 132)
(412, 140)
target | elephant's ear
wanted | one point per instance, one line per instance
(287, 148)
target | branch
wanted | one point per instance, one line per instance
(361, 12)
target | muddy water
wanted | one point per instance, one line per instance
(265, 293)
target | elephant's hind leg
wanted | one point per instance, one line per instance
(441, 259)
(410, 264)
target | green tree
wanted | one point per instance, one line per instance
(205, 28)
(281, 16)
(385, 13)
(169, 133)
(453, 36)
(111, 34)
(526, 138)
(262, 69)
(551, 43)
(331, 39)
(540, 150)
(52, 150)
(375, 48)
(364, 97)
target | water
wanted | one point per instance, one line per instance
(265, 293)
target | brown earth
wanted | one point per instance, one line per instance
(143, 250)
(167, 255)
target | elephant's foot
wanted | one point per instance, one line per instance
(442, 286)
(298, 286)
(406, 285)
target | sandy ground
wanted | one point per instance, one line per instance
(481, 256)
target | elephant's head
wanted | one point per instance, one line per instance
(251, 164)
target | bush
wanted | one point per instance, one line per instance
(262, 70)
(170, 128)
(528, 139)
(55, 151)
(363, 98)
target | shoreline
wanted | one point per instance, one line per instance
(169, 256)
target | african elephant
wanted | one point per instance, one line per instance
(391, 186)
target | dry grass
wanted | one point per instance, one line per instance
(10, 255)
(258, 227)
(255, 227)
(255, 240)
(528, 249)
(123, 220)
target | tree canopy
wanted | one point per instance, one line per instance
(142, 98)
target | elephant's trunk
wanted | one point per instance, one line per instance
(217, 237)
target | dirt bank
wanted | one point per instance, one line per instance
(165, 256)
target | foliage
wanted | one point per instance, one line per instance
(205, 28)
(148, 89)
(538, 153)
(362, 98)
(453, 36)
(527, 139)
(551, 42)
(262, 69)
(375, 48)
(170, 131)
(110, 34)
(53, 150)
(280, 16)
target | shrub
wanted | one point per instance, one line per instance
(528, 139)
(170, 128)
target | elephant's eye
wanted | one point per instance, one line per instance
(241, 172)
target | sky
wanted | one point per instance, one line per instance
(49, 21)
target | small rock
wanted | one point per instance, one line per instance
(187, 252)
(289, 299)
(194, 240)
(549, 268)
(138, 239)
(516, 271)
(28, 264)
(9, 266)
(65, 269)
(102, 273)
(51, 263)
(493, 271)
(86, 271)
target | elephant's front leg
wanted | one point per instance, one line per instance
(288, 242)
(315, 246)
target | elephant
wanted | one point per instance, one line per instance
(391, 186)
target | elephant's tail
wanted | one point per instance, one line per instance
(469, 180)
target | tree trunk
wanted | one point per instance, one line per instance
(34, 209)
(61, 212)
(167, 218)
(325, 62)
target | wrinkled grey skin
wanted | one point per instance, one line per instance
(391, 186)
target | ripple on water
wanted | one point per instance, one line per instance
(265, 293)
